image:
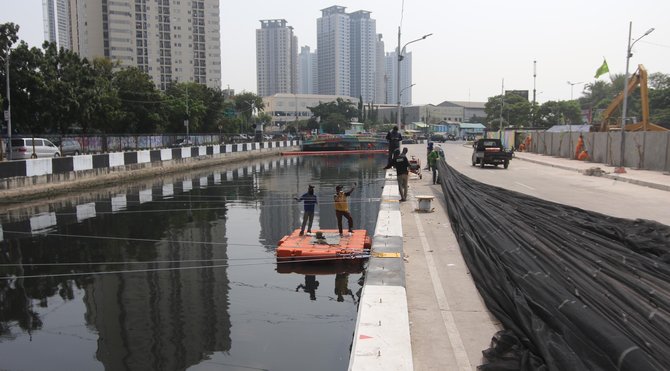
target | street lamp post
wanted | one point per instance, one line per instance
(572, 85)
(621, 169)
(8, 112)
(399, 108)
(400, 58)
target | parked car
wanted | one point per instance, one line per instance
(438, 138)
(182, 142)
(22, 148)
(69, 147)
(241, 138)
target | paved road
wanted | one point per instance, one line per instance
(603, 195)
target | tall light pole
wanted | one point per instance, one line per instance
(8, 112)
(621, 169)
(572, 85)
(399, 108)
(401, 51)
(532, 124)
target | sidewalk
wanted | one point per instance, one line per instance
(449, 323)
(648, 178)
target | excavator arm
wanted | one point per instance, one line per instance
(639, 78)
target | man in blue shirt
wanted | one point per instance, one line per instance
(310, 202)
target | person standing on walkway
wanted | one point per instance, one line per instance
(401, 164)
(433, 156)
(342, 207)
(429, 149)
(394, 139)
(309, 202)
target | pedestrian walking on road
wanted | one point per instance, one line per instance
(395, 138)
(433, 156)
(309, 202)
(401, 164)
(342, 208)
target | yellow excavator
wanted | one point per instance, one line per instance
(639, 78)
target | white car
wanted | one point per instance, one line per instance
(22, 148)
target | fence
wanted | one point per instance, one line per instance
(643, 150)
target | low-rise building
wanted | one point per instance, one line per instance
(286, 108)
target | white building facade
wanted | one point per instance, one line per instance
(276, 58)
(391, 71)
(333, 45)
(288, 108)
(363, 53)
(57, 26)
(380, 72)
(307, 71)
(169, 40)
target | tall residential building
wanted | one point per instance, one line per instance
(307, 71)
(333, 45)
(391, 67)
(169, 40)
(363, 53)
(380, 73)
(276, 58)
(57, 28)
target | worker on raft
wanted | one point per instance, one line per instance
(309, 202)
(342, 207)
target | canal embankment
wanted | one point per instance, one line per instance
(33, 178)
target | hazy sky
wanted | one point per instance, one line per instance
(475, 43)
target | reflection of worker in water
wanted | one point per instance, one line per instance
(310, 286)
(342, 287)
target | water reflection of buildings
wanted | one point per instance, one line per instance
(152, 320)
(165, 320)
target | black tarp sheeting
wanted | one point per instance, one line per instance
(574, 289)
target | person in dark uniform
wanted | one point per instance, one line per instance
(401, 164)
(310, 202)
(394, 139)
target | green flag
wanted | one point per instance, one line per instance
(602, 69)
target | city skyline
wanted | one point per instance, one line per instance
(474, 45)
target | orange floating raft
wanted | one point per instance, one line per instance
(323, 245)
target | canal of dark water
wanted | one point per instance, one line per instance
(180, 273)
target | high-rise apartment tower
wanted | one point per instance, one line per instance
(276, 58)
(169, 40)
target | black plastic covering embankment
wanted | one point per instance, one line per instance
(574, 289)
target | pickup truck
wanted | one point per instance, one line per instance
(490, 151)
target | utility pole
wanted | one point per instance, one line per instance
(8, 112)
(532, 122)
(502, 104)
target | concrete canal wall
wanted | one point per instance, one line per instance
(382, 338)
(37, 177)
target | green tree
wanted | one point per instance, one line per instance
(329, 113)
(559, 113)
(30, 99)
(515, 111)
(142, 102)
(106, 110)
(659, 98)
(8, 37)
(245, 104)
